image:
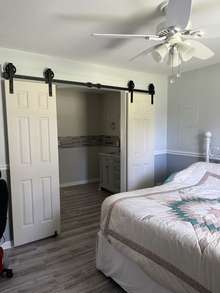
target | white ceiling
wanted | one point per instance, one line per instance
(63, 28)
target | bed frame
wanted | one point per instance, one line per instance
(122, 270)
(208, 139)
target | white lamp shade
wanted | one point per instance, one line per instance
(160, 53)
(174, 58)
(186, 51)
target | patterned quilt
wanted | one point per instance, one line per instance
(172, 231)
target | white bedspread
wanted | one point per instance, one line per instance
(172, 231)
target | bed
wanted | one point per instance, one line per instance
(164, 239)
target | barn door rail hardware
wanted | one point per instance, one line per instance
(131, 87)
(9, 73)
(49, 75)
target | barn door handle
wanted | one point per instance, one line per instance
(9, 73)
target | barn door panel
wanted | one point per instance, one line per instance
(140, 142)
(33, 158)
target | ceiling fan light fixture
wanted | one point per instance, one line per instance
(187, 56)
(186, 51)
(174, 58)
(160, 53)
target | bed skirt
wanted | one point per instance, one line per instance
(122, 270)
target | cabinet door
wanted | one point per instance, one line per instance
(106, 172)
(116, 174)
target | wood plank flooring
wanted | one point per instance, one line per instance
(66, 263)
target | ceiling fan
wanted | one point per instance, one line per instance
(176, 40)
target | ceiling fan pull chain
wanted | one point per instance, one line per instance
(178, 75)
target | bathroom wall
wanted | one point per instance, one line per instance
(111, 113)
(79, 115)
(88, 123)
(110, 117)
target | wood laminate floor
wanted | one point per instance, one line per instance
(66, 263)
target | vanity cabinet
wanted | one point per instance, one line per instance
(110, 172)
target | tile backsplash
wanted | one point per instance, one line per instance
(88, 140)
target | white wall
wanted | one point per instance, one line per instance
(33, 64)
(193, 109)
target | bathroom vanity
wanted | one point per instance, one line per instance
(110, 171)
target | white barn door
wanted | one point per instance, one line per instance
(140, 142)
(33, 159)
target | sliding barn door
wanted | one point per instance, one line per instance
(140, 142)
(33, 159)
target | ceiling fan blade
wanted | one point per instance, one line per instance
(200, 50)
(132, 25)
(144, 53)
(128, 36)
(178, 13)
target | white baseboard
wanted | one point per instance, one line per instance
(7, 245)
(73, 183)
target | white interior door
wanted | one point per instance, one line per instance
(33, 159)
(140, 142)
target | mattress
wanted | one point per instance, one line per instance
(172, 232)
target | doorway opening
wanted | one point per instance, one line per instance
(89, 140)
